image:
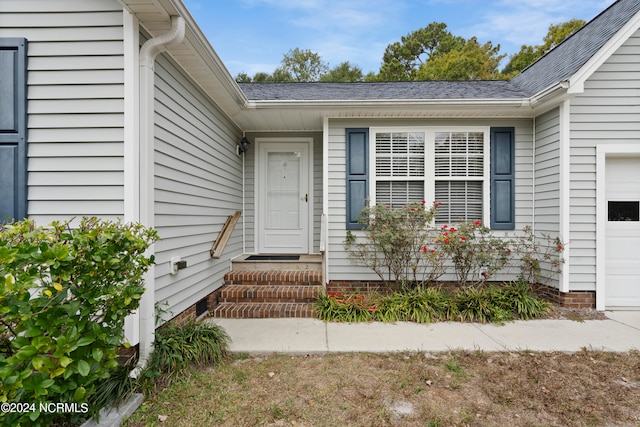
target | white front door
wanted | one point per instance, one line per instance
(283, 197)
(622, 232)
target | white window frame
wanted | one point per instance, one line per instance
(429, 164)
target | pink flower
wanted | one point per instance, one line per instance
(462, 238)
(477, 223)
(560, 247)
(444, 227)
(446, 240)
(424, 249)
(445, 233)
(424, 202)
(452, 229)
(433, 250)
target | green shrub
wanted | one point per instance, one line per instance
(481, 305)
(518, 298)
(338, 307)
(420, 304)
(65, 294)
(179, 346)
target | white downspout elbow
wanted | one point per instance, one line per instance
(148, 53)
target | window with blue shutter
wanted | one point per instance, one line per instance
(503, 179)
(357, 158)
(13, 128)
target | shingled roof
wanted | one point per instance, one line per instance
(382, 90)
(555, 66)
(569, 56)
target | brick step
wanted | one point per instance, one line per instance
(269, 293)
(273, 278)
(250, 310)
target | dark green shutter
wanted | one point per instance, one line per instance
(357, 148)
(503, 192)
(13, 128)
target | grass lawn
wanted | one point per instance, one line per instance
(589, 388)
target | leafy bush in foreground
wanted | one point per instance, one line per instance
(64, 295)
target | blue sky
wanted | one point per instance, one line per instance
(253, 35)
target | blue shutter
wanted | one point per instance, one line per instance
(503, 192)
(357, 152)
(13, 128)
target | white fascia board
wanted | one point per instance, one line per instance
(612, 45)
(197, 44)
(203, 48)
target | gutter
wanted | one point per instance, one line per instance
(148, 53)
(552, 90)
(385, 103)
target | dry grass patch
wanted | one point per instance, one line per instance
(588, 388)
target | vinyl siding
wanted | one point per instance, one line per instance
(250, 177)
(547, 178)
(606, 113)
(340, 266)
(75, 105)
(198, 184)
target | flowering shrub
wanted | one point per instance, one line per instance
(395, 244)
(401, 245)
(476, 254)
(537, 254)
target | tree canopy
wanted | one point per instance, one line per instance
(429, 53)
(530, 54)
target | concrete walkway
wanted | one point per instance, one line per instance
(620, 332)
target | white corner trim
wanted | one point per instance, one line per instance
(324, 245)
(131, 111)
(131, 149)
(602, 151)
(565, 191)
(581, 76)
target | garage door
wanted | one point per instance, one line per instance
(622, 232)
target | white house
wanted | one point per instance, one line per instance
(122, 109)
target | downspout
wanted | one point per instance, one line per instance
(148, 53)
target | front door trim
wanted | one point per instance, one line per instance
(259, 198)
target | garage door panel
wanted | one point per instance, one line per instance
(622, 232)
(623, 249)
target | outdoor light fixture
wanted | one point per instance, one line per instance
(243, 147)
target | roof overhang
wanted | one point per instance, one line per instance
(279, 115)
(199, 60)
(194, 55)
